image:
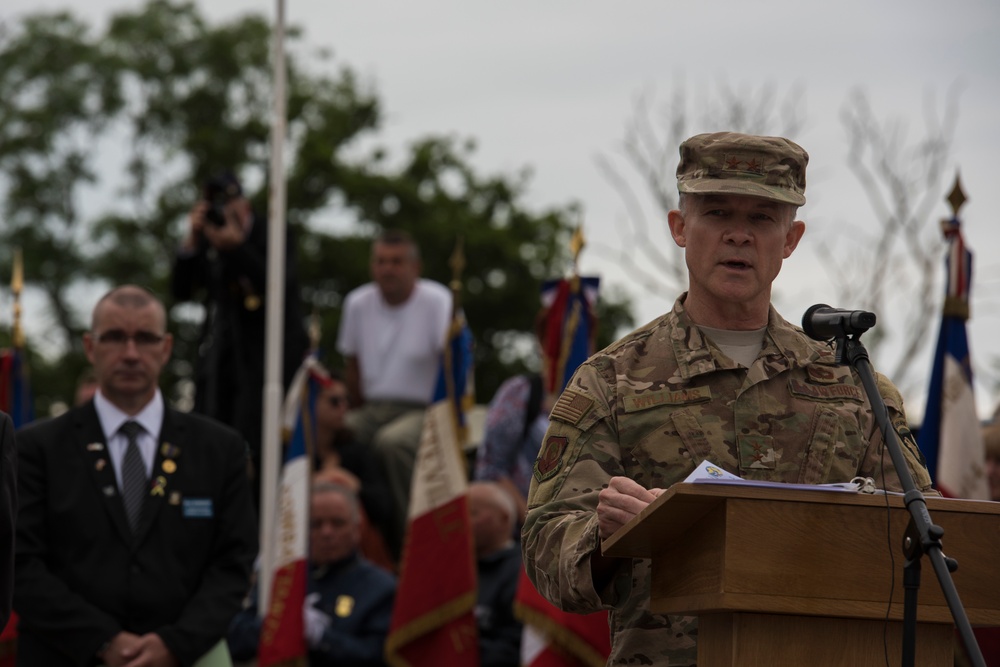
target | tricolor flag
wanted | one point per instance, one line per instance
(555, 638)
(433, 621)
(568, 338)
(15, 395)
(950, 436)
(282, 636)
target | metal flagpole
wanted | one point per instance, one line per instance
(271, 444)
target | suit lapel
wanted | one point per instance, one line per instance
(97, 460)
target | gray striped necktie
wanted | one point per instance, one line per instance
(133, 474)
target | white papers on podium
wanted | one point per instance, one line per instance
(710, 473)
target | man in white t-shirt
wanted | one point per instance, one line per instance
(391, 335)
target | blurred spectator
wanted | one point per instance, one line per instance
(348, 609)
(340, 459)
(391, 335)
(222, 262)
(516, 421)
(498, 567)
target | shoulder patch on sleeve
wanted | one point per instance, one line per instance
(550, 458)
(572, 407)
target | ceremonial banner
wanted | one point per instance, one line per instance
(282, 637)
(568, 338)
(433, 620)
(555, 638)
(950, 436)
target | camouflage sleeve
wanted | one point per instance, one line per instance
(577, 458)
(875, 464)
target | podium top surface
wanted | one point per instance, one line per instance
(684, 504)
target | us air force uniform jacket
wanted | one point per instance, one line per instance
(655, 405)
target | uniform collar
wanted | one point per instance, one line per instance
(784, 347)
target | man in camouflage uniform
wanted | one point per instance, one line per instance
(721, 377)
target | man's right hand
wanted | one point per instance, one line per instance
(620, 502)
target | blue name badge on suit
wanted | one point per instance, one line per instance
(217, 656)
(197, 508)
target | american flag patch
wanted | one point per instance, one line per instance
(572, 407)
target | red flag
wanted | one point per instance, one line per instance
(433, 621)
(555, 638)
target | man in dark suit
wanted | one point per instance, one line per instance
(136, 534)
(222, 262)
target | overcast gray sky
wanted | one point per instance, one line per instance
(551, 85)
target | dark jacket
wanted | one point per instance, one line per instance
(233, 287)
(499, 630)
(81, 576)
(357, 596)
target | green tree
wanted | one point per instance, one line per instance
(105, 138)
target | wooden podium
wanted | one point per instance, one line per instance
(802, 577)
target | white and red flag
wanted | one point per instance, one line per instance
(433, 622)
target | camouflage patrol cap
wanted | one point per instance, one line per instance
(728, 163)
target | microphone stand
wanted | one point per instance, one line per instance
(922, 536)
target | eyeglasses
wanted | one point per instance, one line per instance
(119, 338)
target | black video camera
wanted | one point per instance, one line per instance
(217, 192)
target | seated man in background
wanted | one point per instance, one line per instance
(348, 608)
(391, 335)
(498, 565)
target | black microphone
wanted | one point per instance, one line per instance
(821, 322)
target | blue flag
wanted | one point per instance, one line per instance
(950, 436)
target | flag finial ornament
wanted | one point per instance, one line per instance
(577, 243)
(457, 264)
(957, 196)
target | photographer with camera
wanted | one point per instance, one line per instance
(222, 262)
